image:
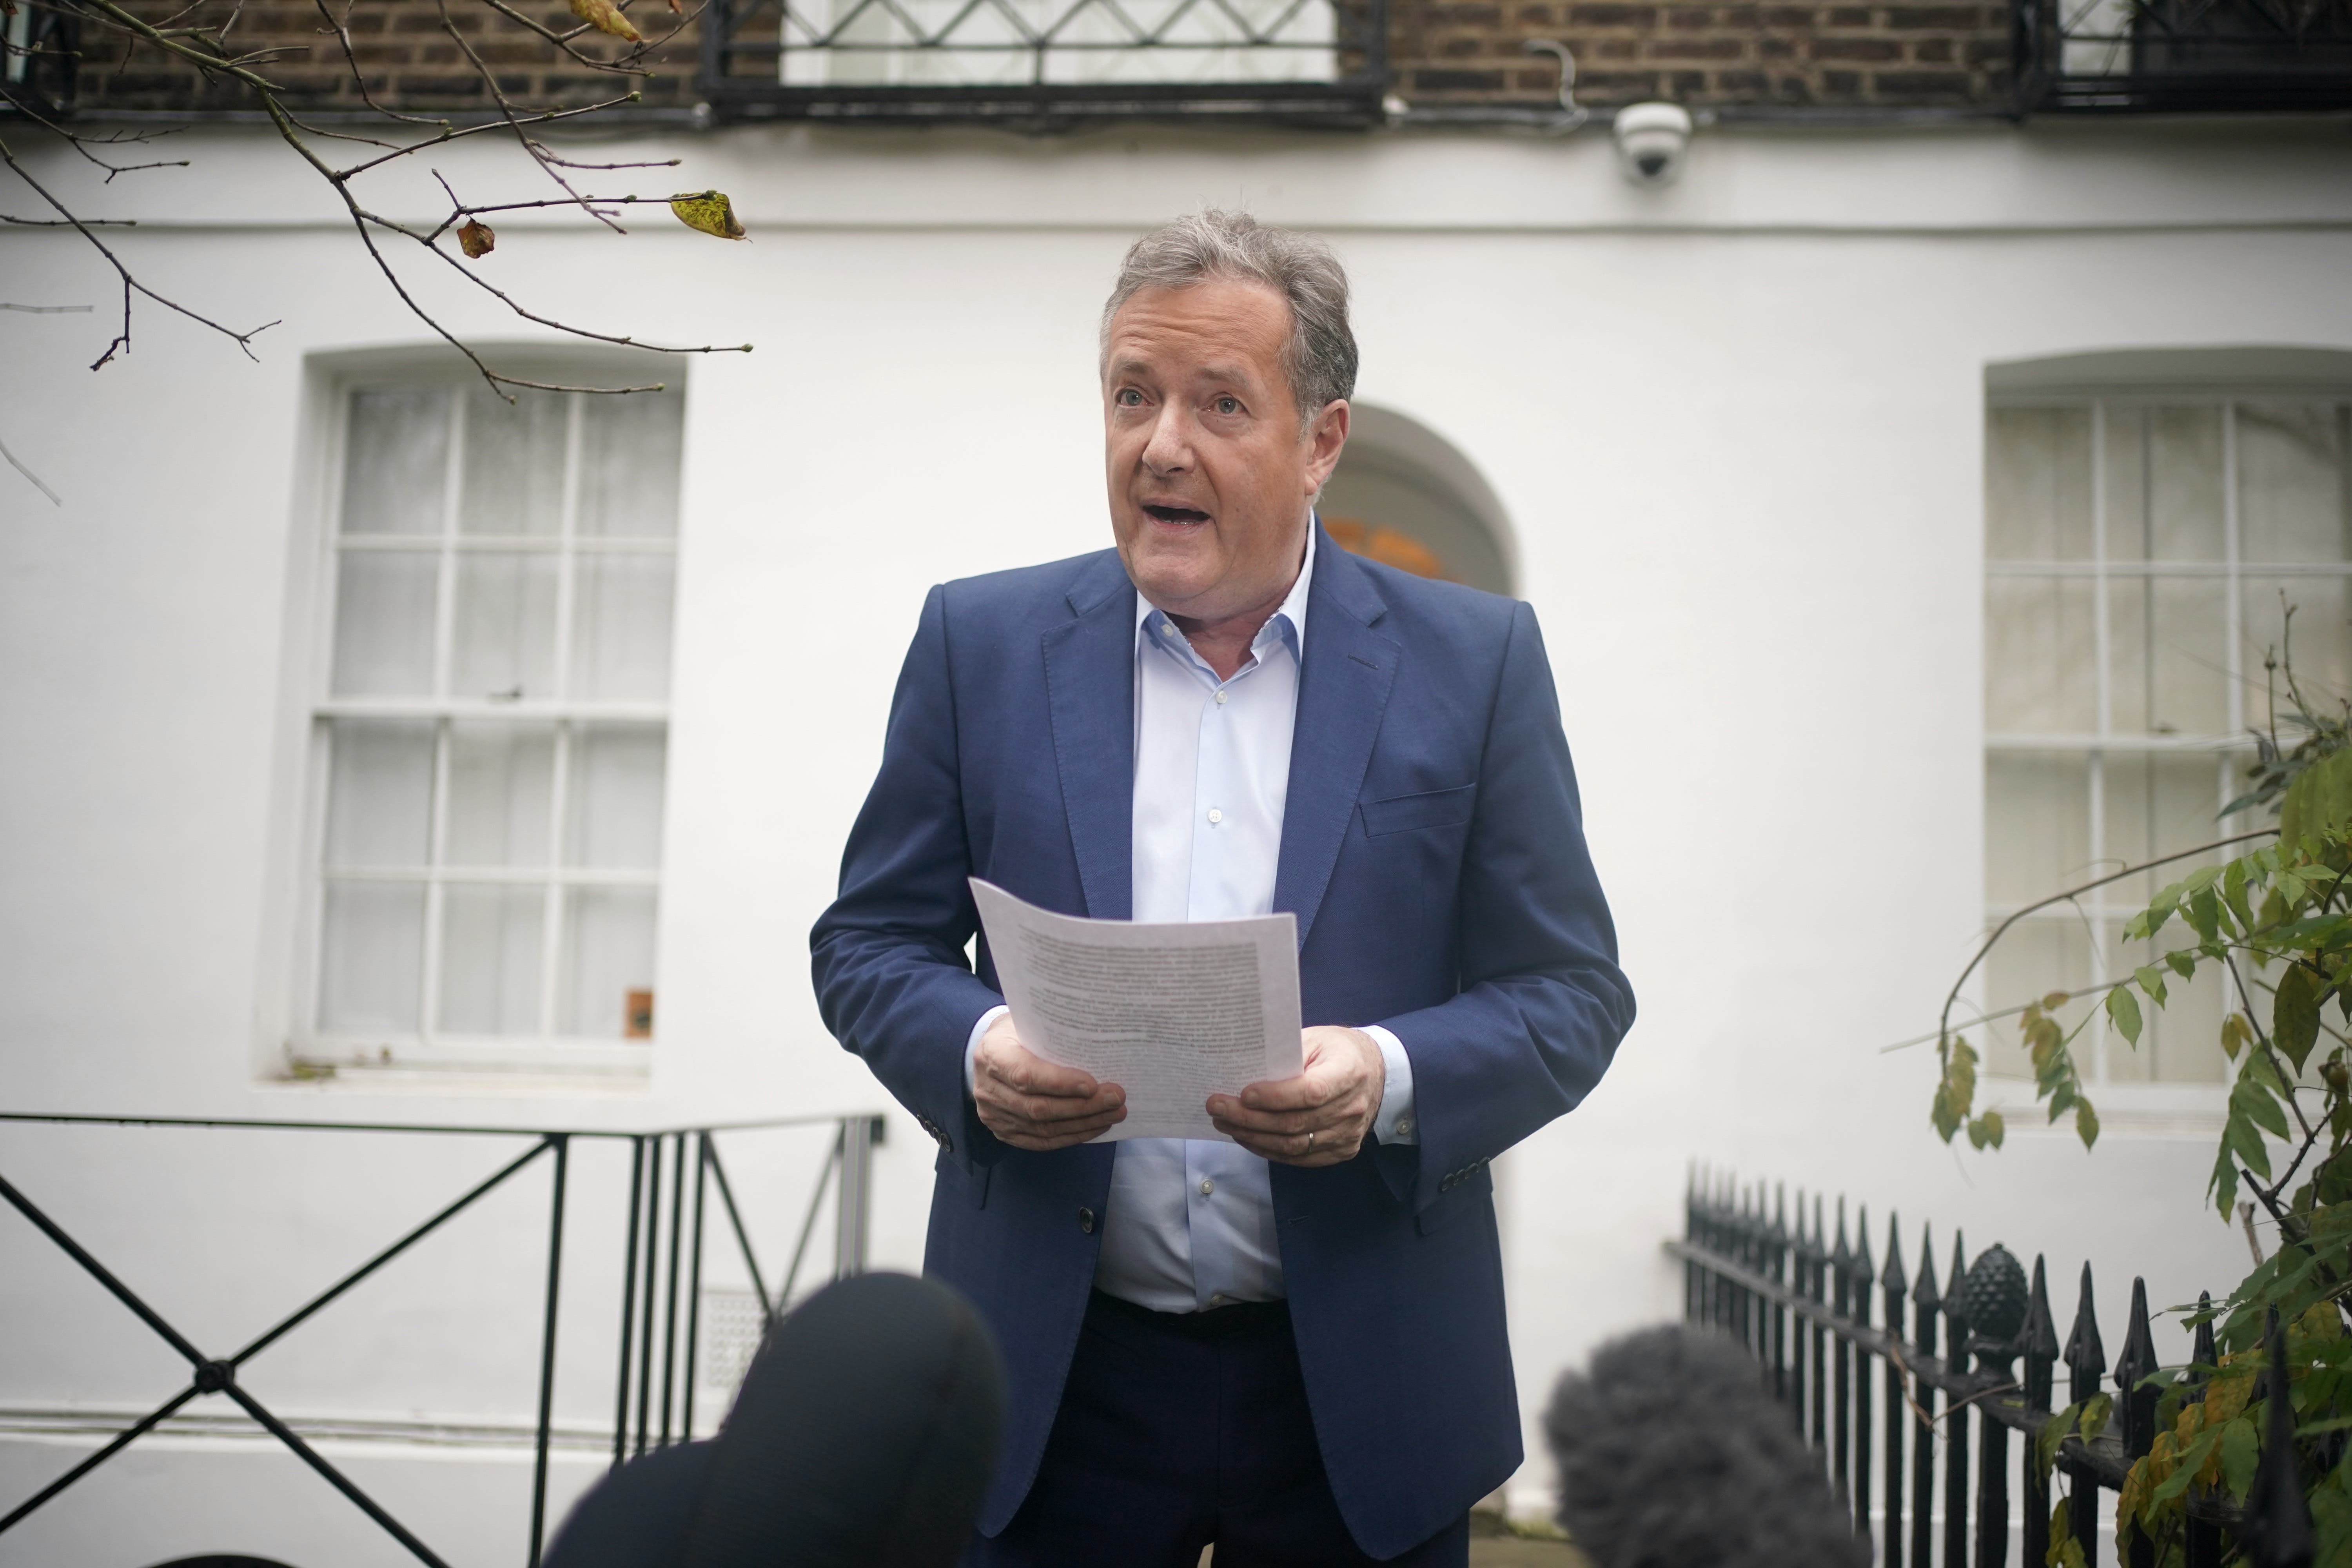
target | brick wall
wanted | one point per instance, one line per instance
(1880, 55)
(1888, 55)
(409, 53)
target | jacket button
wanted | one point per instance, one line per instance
(1086, 1220)
(946, 1144)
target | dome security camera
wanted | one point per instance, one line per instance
(1650, 140)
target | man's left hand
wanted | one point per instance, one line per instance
(1320, 1118)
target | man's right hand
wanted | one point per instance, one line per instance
(1031, 1104)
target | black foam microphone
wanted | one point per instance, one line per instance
(864, 1436)
(1671, 1455)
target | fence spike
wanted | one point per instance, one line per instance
(1842, 1258)
(2040, 1340)
(2278, 1520)
(2085, 1357)
(1865, 1273)
(1925, 1296)
(2202, 1352)
(1955, 1312)
(2137, 1364)
(1892, 1278)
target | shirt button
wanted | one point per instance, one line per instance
(1215, 817)
(1404, 1127)
(1220, 699)
(1207, 1186)
(1218, 1300)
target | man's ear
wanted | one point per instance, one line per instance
(1327, 434)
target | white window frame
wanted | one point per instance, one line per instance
(2145, 1106)
(306, 1051)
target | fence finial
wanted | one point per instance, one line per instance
(2134, 1366)
(1956, 1310)
(1865, 1273)
(1892, 1281)
(2085, 1357)
(2278, 1520)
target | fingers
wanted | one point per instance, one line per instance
(1032, 1103)
(1003, 1057)
(1320, 1146)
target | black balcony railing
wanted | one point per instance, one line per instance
(661, 1286)
(1886, 1409)
(2183, 56)
(1040, 62)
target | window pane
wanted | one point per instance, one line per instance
(2037, 826)
(2179, 1042)
(2039, 675)
(2170, 638)
(489, 959)
(384, 623)
(396, 460)
(373, 950)
(629, 464)
(514, 462)
(2176, 461)
(2321, 647)
(505, 632)
(2041, 953)
(2291, 498)
(620, 619)
(2158, 805)
(615, 814)
(2037, 484)
(380, 793)
(501, 781)
(608, 952)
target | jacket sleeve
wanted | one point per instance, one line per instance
(1542, 1002)
(892, 982)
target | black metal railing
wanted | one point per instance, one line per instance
(1041, 63)
(1801, 1301)
(2180, 55)
(654, 1387)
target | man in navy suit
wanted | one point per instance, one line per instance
(1292, 1344)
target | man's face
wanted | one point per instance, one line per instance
(1211, 477)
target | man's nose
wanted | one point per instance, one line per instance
(1170, 450)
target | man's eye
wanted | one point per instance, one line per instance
(1229, 405)
(1128, 397)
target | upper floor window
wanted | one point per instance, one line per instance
(2143, 550)
(490, 727)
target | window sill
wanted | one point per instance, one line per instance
(2151, 1110)
(475, 1065)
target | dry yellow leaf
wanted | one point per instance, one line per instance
(605, 18)
(477, 238)
(709, 211)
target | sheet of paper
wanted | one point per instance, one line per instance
(1171, 1014)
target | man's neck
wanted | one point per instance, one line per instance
(1223, 643)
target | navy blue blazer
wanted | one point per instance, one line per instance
(1433, 853)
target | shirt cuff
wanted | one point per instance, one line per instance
(1396, 1123)
(971, 1049)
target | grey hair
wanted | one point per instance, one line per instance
(1319, 358)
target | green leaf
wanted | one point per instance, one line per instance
(1986, 1130)
(2151, 980)
(2223, 1186)
(2183, 962)
(2086, 1123)
(2096, 1410)
(2189, 1460)
(2240, 1452)
(2294, 1012)
(2124, 1012)
(2204, 914)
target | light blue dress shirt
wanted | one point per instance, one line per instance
(1190, 1223)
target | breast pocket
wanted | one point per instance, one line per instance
(1407, 813)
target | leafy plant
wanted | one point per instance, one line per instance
(2275, 923)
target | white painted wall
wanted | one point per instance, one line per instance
(1737, 425)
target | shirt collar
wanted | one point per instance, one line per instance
(1288, 621)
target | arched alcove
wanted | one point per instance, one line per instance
(1405, 495)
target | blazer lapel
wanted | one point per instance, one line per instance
(1090, 695)
(1343, 689)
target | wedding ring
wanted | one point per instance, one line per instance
(1310, 1143)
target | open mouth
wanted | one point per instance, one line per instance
(1176, 514)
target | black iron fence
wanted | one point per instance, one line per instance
(1887, 1410)
(2183, 56)
(666, 1231)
